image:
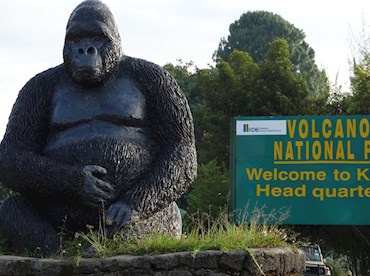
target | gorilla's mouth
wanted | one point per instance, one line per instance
(88, 70)
(87, 75)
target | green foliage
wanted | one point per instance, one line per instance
(209, 192)
(360, 83)
(225, 91)
(335, 271)
(241, 87)
(187, 80)
(360, 79)
(207, 233)
(354, 243)
(4, 192)
(335, 103)
(73, 247)
(253, 33)
(280, 91)
(220, 234)
(186, 77)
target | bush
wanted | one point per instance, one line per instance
(210, 190)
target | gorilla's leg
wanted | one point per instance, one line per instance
(21, 225)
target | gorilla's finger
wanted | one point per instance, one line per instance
(95, 170)
(99, 171)
(102, 196)
(104, 186)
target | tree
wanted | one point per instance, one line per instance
(242, 87)
(360, 83)
(186, 79)
(336, 102)
(281, 92)
(186, 76)
(253, 33)
(226, 91)
(360, 79)
(354, 243)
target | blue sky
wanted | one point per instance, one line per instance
(32, 33)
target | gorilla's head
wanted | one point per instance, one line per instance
(92, 48)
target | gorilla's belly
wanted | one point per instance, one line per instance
(124, 151)
(95, 129)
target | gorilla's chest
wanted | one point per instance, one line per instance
(120, 102)
(115, 112)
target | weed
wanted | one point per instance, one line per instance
(206, 233)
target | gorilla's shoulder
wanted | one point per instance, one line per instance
(143, 67)
(49, 76)
(140, 62)
(51, 72)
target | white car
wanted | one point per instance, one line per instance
(315, 265)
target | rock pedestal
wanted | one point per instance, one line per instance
(269, 262)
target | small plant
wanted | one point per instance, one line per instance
(4, 192)
(335, 271)
(210, 190)
(206, 234)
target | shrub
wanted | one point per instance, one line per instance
(209, 193)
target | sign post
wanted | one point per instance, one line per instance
(316, 167)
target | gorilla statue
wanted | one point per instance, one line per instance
(103, 136)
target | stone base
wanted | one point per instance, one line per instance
(280, 261)
(167, 221)
(276, 261)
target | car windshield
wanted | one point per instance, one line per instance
(312, 254)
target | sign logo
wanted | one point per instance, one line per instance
(261, 127)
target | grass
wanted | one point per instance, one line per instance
(205, 233)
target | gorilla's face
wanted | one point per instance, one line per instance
(92, 48)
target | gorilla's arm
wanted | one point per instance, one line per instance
(171, 126)
(23, 168)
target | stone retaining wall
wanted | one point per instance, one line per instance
(269, 262)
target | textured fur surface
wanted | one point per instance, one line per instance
(150, 163)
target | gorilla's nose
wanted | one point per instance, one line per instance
(87, 50)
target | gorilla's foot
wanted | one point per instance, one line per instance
(25, 229)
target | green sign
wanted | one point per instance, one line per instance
(316, 167)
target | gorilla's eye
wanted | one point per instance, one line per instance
(76, 40)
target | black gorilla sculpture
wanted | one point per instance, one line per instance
(100, 130)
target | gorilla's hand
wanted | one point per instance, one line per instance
(95, 191)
